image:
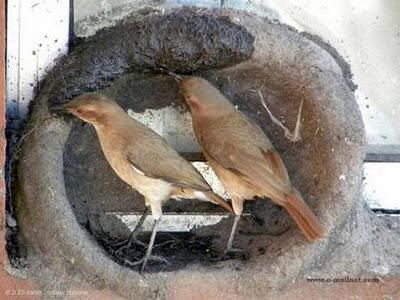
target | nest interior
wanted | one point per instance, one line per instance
(72, 185)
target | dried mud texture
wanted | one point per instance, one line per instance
(149, 41)
(62, 166)
(344, 65)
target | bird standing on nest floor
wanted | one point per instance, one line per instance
(141, 158)
(243, 157)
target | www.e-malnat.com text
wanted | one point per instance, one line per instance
(343, 280)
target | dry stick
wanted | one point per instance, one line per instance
(293, 137)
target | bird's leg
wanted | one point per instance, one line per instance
(229, 247)
(237, 205)
(150, 247)
(233, 231)
(135, 232)
(141, 220)
(148, 255)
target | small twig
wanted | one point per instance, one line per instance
(293, 137)
(164, 243)
(296, 133)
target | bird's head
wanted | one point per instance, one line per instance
(94, 108)
(203, 98)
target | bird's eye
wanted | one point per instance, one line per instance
(79, 111)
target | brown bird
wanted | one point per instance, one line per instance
(243, 157)
(141, 158)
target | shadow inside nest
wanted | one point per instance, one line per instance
(179, 248)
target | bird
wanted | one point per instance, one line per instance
(243, 157)
(141, 158)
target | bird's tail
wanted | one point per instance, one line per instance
(304, 217)
(218, 200)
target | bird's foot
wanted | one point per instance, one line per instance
(228, 254)
(233, 250)
(126, 244)
(133, 237)
(144, 261)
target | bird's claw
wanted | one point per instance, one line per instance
(233, 250)
(128, 243)
(226, 255)
(143, 261)
(151, 257)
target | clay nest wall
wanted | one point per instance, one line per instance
(63, 176)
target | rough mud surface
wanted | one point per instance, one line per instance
(344, 65)
(149, 41)
(69, 170)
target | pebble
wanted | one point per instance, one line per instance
(11, 222)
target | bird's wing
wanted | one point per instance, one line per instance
(238, 144)
(153, 157)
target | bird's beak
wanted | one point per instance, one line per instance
(58, 109)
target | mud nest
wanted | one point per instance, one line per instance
(66, 185)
